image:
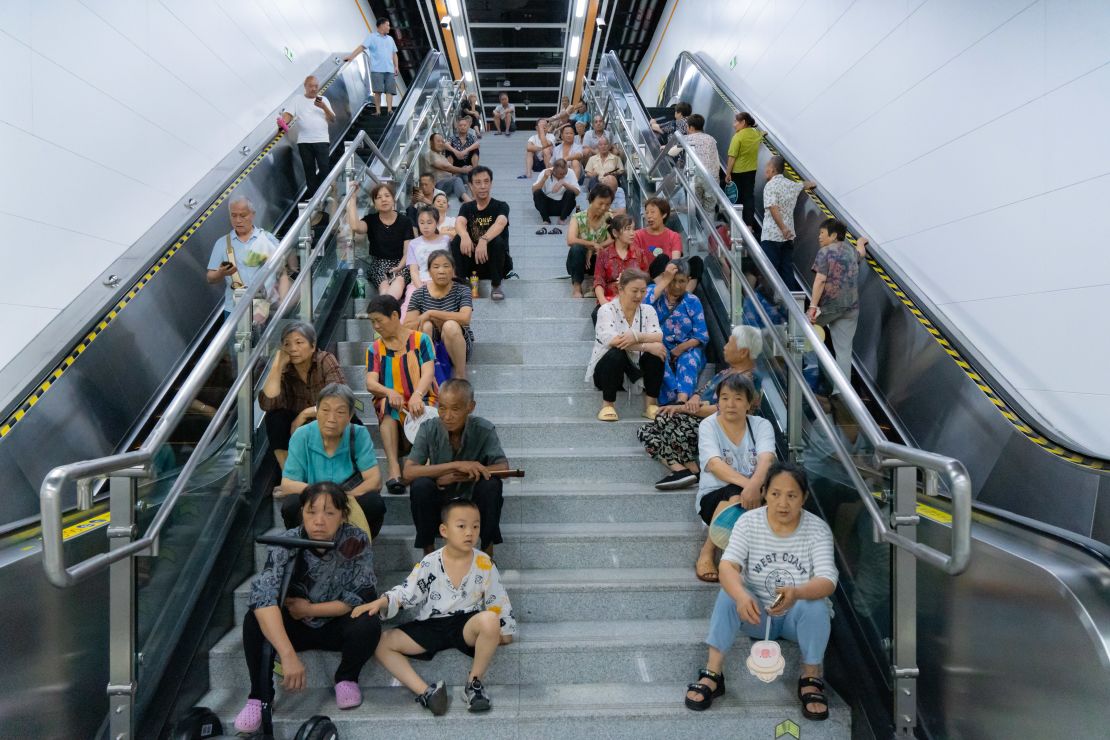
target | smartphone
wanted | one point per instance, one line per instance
(506, 474)
(225, 265)
(778, 601)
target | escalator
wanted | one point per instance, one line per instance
(124, 388)
(1033, 603)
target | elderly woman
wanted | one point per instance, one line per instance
(662, 244)
(297, 375)
(684, 331)
(587, 236)
(792, 594)
(388, 233)
(629, 343)
(672, 438)
(326, 586)
(335, 450)
(441, 308)
(400, 372)
(569, 149)
(450, 178)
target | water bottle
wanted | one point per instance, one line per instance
(345, 246)
(474, 285)
(361, 285)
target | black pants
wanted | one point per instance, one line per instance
(371, 503)
(578, 263)
(781, 255)
(614, 365)
(745, 189)
(697, 266)
(495, 267)
(355, 639)
(427, 499)
(549, 208)
(314, 159)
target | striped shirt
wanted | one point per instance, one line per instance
(769, 562)
(457, 298)
(401, 370)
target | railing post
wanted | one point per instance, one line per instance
(245, 407)
(304, 250)
(121, 610)
(904, 668)
(795, 404)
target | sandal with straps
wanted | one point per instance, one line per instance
(813, 697)
(707, 694)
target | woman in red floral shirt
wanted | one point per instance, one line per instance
(615, 258)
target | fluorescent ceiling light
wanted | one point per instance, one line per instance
(570, 75)
(575, 42)
(460, 41)
(453, 7)
(580, 9)
(468, 76)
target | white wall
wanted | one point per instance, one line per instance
(110, 110)
(969, 138)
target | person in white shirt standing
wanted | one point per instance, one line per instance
(384, 66)
(504, 117)
(780, 196)
(313, 113)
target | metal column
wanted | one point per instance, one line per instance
(304, 249)
(121, 610)
(795, 405)
(245, 407)
(904, 669)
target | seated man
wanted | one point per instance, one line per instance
(537, 151)
(452, 457)
(482, 227)
(423, 194)
(504, 116)
(462, 147)
(605, 162)
(554, 193)
(474, 618)
(589, 139)
(620, 202)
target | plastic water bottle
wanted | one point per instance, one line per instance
(361, 286)
(474, 285)
(345, 247)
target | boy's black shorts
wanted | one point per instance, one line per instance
(439, 633)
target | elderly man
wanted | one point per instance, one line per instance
(537, 151)
(620, 203)
(705, 148)
(463, 145)
(590, 138)
(312, 113)
(423, 194)
(383, 64)
(453, 456)
(504, 116)
(239, 257)
(554, 193)
(780, 196)
(605, 162)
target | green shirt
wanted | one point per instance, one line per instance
(309, 463)
(745, 148)
(479, 444)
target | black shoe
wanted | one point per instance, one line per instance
(395, 486)
(475, 696)
(677, 479)
(434, 699)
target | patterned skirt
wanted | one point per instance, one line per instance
(381, 271)
(672, 438)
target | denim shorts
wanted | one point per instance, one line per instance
(383, 82)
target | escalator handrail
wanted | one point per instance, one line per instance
(951, 469)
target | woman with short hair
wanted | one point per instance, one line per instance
(684, 330)
(442, 308)
(587, 236)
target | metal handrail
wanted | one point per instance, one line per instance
(135, 463)
(953, 471)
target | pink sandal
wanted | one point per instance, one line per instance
(249, 718)
(347, 695)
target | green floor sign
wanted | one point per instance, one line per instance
(788, 728)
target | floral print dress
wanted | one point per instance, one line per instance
(682, 322)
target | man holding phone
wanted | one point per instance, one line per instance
(238, 258)
(455, 455)
(313, 113)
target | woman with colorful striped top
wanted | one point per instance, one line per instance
(400, 372)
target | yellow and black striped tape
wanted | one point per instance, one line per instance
(36, 395)
(1003, 408)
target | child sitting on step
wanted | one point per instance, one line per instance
(474, 617)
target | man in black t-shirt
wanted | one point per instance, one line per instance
(482, 244)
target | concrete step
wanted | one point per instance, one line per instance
(499, 329)
(499, 353)
(503, 377)
(570, 406)
(585, 434)
(584, 594)
(605, 711)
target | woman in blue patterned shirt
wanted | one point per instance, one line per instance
(684, 331)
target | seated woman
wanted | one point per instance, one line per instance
(441, 308)
(422, 246)
(619, 255)
(629, 343)
(800, 545)
(297, 375)
(588, 234)
(569, 149)
(672, 438)
(735, 451)
(450, 178)
(333, 449)
(445, 224)
(326, 586)
(400, 372)
(662, 244)
(684, 331)
(388, 233)
(471, 108)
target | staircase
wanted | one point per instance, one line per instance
(598, 564)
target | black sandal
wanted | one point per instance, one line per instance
(555, 230)
(813, 697)
(395, 486)
(707, 694)
(542, 231)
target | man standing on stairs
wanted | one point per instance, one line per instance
(482, 244)
(383, 64)
(313, 113)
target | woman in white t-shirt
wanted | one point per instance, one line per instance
(570, 150)
(427, 219)
(778, 566)
(735, 451)
(446, 225)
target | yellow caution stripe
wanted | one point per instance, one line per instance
(87, 525)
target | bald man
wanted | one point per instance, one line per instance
(312, 113)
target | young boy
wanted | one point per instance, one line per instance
(473, 617)
(835, 303)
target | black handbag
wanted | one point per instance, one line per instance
(355, 479)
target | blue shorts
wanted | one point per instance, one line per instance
(383, 82)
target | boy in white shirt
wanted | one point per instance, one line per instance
(474, 617)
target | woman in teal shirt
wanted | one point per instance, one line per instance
(322, 451)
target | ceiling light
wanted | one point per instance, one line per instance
(468, 76)
(580, 9)
(600, 22)
(453, 7)
(570, 75)
(445, 21)
(575, 42)
(460, 41)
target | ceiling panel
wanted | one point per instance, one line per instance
(517, 11)
(519, 36)
(519, 60)
(492, 80)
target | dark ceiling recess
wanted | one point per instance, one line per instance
(408, 30)
(631, 29)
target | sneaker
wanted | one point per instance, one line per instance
(475, 696)
(249, 719)
(347, 695)
(434, 699)
(677, 479)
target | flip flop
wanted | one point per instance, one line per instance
(555, 230)
(707, 576)
(607, 413)
(542, 231)
(522, 177)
